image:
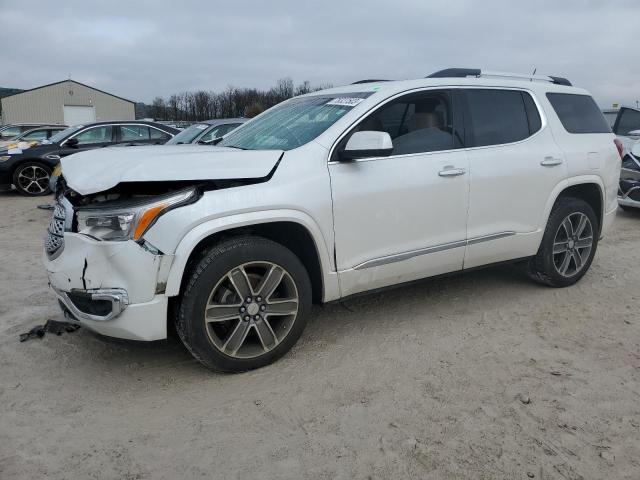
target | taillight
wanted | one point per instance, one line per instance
(618, 146)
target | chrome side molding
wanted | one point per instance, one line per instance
(399, 257)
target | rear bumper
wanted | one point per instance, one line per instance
(607, 221)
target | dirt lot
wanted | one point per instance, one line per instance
(483, 376)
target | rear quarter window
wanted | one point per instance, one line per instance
(578, 113)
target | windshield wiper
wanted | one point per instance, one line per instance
(234, 146)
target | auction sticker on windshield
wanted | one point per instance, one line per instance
(345, 101)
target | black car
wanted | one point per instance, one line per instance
(29, 170)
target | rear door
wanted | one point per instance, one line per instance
(515, 164)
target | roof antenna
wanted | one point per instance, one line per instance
(535, 69)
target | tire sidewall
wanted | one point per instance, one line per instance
(24, 165)
(191, 321)
(563, 210)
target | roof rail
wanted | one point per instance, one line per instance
(476, 72)
(369, 81)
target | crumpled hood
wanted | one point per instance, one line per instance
(101, 169)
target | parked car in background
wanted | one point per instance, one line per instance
(207, 131)
(29, 170)
(328, 195)
(625, 123)
(30, 137)
(629, 191)
(14, 129)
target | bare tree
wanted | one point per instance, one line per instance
(232, 102)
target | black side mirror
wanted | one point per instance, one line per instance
(72, 143)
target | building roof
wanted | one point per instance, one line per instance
(70, 80)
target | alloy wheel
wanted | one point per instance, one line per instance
(572, 244)
(33, 179)
(251, 309)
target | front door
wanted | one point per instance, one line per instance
(402, 217)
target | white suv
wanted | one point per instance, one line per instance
(328, 195)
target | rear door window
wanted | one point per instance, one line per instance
(129, 133)
(158, 134)
(578, 113)
(501, 116)
(628, 120)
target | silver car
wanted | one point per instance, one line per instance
(207, 131)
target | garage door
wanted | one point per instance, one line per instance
(75, 115)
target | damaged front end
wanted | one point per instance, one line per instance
(629, 187)
(104, 273)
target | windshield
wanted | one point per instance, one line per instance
(58, 137)
(188, 134)
(292, 123)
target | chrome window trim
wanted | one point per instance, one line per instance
(117, 124)
(399, 257)
(541, 112)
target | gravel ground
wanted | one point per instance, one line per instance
(483, 375)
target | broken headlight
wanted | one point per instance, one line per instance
(131, 221)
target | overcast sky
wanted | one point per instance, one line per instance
(140, 49)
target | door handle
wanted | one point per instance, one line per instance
(550, 161)
(450, 171)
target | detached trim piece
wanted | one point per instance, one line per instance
(399, 257)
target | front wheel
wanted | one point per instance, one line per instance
(245, 304)
(568, 245)
(32, 178)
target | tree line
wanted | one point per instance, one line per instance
(232, 102)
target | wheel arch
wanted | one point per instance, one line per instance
(589, 188)
(301, 238)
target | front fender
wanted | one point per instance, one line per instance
(189, 242)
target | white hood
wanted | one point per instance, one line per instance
(101, 169)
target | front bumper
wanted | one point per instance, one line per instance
(113, 288)
(5, 180)
(628, 202)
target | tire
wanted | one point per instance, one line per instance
(547, 267)
(269, 325)
(32, 179)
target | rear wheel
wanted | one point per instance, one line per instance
(245, 304)
(32, 178)
(568, 245)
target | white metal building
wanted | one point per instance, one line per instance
(67, 102)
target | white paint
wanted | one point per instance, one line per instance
(364, 210)
(98, 170)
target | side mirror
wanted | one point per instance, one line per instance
(634, 134)
(635, 149)
(72, 143)
(367, 144)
